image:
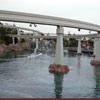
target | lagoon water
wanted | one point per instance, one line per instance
(21, 77)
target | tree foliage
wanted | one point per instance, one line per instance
(90, 43)
(73, 42)
(4, 38)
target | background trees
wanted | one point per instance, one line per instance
(4, 38)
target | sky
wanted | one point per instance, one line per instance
(83, 10)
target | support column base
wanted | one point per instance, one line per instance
(95, 62)
(78, 54)
(58, 69)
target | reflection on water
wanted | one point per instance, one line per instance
(29, 78)
(13, 54)
(97, 79)
(78, 64)
(58, 80)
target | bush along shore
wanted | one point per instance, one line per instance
(16, 47)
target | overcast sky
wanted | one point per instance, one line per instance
(84, 10)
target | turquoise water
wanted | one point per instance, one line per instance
(29, 78)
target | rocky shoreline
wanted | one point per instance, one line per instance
(16, 47)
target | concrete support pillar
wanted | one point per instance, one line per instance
(13, 38)
(97, 48)
(18, 33)
(68, 41)
(95, 44)
(79, 47)
(33, 40)
(96, 61)
(37, 44)
(58, 67)
(59, 57)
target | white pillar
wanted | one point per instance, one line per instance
(59, 57)
(79, 46)
(37, 45)
(13, 38)
(68, 41)
(33, 40)
(95, 43)
(18, 33)
(97, 50)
